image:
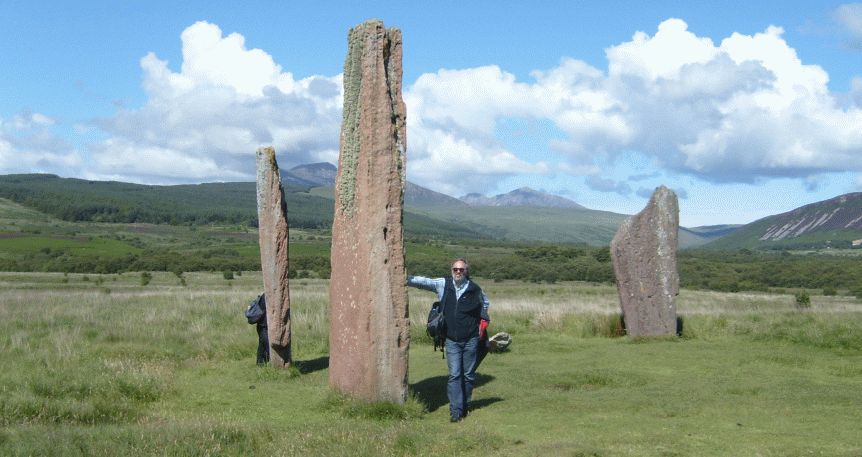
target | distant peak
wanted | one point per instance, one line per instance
(522, 196)
(312, 174)
(317, 165)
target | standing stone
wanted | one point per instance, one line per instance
(272, 230)
(644, 257)
(369, 325)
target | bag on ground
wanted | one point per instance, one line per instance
(499, 342)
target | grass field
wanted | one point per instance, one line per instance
(102, 365)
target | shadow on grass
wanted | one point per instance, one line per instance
(479, 404)
(310, 366)
(432, 391)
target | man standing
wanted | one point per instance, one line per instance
(465, 307)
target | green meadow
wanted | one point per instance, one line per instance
(102, 365)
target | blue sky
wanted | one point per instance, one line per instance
(745, 109)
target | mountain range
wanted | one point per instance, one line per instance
(322, 174)
(523, 196)
(523, 214)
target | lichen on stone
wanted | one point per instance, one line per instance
(350, 138)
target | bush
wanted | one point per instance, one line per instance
(829, 291)
(803, 301)
(227, 274)
(146, 277)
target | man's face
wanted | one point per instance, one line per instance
(459, 270)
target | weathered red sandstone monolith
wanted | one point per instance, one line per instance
(369, 325)
(644, 257)
(273, 230)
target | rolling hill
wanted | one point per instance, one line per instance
(521, 215)
(832, 223)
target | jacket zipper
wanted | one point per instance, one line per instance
(457, 302)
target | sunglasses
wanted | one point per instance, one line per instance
(459, 270)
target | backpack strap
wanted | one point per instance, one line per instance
(441, 343)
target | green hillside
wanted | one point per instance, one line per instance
(513, 223)
(691, 237)
(748, 237)
(33, 241)
(73, 200)
(522, 223)
(77, 200)
(828, 224)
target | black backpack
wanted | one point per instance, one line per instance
(256, 310)
(436, 327)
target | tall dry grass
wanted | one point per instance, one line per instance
(101, 365)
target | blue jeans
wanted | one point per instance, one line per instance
(461, 358)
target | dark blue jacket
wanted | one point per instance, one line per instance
(462, 315)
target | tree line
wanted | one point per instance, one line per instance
(724, 271)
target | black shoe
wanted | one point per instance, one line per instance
(455, 419)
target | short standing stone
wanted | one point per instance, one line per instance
(644, 257)
(273, 231)
(369, 325)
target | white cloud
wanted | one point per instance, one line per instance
(849, 16)
(736, 111)
(451, 121)
(660, 56)
(28, 145)
(744, 109)
(204, 122)
(748, 108)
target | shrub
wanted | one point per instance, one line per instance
(603, 254)
(803, 301)
(829, 291)
(146, 277)
(227, 274)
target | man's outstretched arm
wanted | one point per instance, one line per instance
(433, 284)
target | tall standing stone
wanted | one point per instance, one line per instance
(369, 325)
(273, 231)
(644, 257)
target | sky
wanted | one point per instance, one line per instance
(745, 109)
